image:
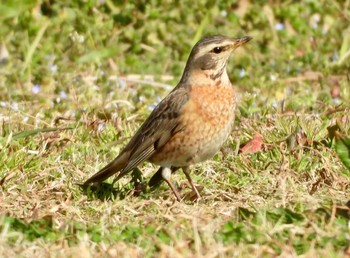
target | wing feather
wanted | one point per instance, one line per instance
(159, 127)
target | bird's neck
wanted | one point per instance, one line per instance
(206, 77)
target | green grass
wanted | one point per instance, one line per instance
(75, 86)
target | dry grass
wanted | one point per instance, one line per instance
(289, 199)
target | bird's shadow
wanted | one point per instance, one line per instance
(109, 191)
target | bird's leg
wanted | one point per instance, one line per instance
(186, 172)
(166, 173)
(157, 178)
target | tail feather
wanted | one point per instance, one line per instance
(110, 169)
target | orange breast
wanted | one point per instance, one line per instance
(207, 118)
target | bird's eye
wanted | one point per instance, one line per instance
(217, 50)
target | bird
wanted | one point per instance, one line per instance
(190, 124)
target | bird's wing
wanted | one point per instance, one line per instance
(159, 127)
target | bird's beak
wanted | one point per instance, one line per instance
(240, 41)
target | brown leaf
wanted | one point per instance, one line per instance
(302, 139)
(335, 90)
(254, 145)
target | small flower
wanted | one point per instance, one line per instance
(279, 26)
(63, 94)
(100, 127)
(36, 88)
(53, 68)
(140, 98)
(14, 106)
(122, 83)
(335, 56)
(50, 57)
(223, 13)
(76, 38)
(336, 101)
(242, 73)
(152, 106)
(314, 20)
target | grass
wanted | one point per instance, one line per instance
(78, 78)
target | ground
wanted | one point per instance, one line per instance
(78, 78)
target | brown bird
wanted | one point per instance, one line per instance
(190, 124)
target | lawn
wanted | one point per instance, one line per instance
(77, 79)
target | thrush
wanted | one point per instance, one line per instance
(190, 124)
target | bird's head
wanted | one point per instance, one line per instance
(210, 54)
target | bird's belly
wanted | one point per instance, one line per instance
(207, 120)
(210, 142)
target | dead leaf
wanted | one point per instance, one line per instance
(254, 145)
(331, 111)
(335, 90)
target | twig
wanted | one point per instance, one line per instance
(136, 78)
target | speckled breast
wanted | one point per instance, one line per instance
(207, 119)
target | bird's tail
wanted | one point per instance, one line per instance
(118, 164)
